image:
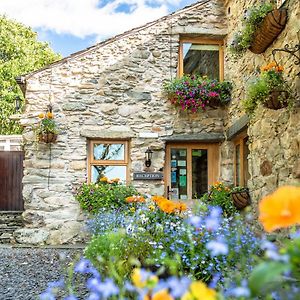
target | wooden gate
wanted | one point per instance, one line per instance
(11, 174)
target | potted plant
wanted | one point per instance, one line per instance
(47, 129)
(194, 93)
(269, 88)
(261, 25)
(240, 197)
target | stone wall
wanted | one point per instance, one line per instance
(274, 135)
(114, 89)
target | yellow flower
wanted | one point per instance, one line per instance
(49, 115)
(151, 207)
(103, 179)
(199, 291)
(41, 115)
(139, 282)
(132, 209)
(280, 209)
(162, 295)
(136, 278)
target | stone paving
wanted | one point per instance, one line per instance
(26, 271)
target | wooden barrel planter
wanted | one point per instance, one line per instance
(241, 199)
(276, 100)
(47, 137)
(270, 28)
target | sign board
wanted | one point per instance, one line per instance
(148, 176)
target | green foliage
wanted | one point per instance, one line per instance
(219, 195)
(94, 196)
(243, 38)
(195, 92)
(47, 126)
(115, 253)
(20, 53)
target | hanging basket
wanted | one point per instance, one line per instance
(241, 199)
(47, 137)
(276, 100)
(270, 28)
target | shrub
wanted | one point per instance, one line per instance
(219, 195)
(94, 196)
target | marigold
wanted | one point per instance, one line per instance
(167, 206)
(41, 116)
(162, 295)
(280, 209)
(103, 179)
(199, 291)
(49, 115)
(135, 199)
(181, 206)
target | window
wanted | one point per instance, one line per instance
(241, 173)
(201, 57)
(109, 159)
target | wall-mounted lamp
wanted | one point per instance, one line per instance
(148, 157)
(17, 103)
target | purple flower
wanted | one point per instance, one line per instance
(217, 248)
(93, 296)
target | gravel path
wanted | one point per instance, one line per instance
(25, 272)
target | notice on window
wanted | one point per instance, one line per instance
(182, 181)
(183, 197)
(173, 177)
(181, 163)
(174, 163)
(182, 171)
(182, 153)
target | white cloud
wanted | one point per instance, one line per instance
(82, 18)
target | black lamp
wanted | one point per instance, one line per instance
(148, 157)
(17, 103)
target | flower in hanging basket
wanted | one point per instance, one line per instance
(47, 130)
(194, 93)
(242, 39)
(269, 88)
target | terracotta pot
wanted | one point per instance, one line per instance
(47, 137)
(276, 100)
(241, 199)
(273, 23)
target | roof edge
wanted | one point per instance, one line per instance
(113, 39)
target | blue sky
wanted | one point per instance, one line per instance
(72, 25)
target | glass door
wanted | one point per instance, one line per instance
(190, 169)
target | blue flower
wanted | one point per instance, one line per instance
(195, 221)
(71, 297)
(217, 248)
(178, 286)
(47, 295)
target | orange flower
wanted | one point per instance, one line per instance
(280, 209)
(162, 295)
(167, 206)
(181, 206)
(135, 199)
(41, 115)
(279, 68)
(49, 115)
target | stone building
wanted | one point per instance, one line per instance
(110, 108)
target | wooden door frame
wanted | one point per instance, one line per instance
(213, 158)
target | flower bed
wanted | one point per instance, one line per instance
(154, 253)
